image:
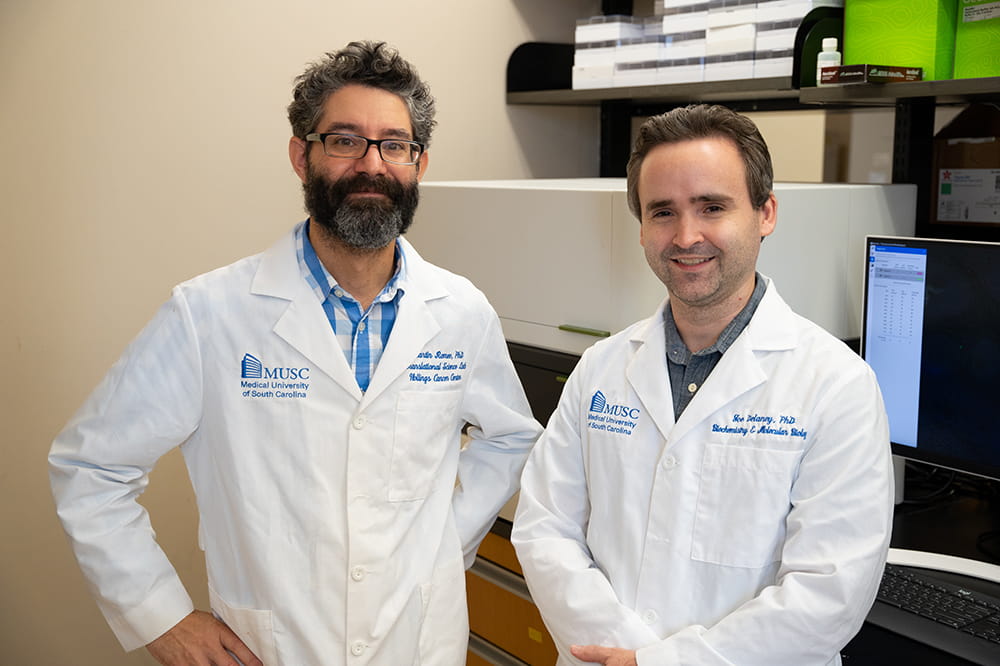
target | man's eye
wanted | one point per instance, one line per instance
(397, 149)
(343, 141)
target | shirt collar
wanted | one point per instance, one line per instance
(323, 284)
(678, 352)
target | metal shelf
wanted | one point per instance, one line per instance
(679, 93)
(952, 91)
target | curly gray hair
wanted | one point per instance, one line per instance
(373, 64)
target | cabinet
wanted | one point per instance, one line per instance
(560, 259)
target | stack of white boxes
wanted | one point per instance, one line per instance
(689, 41)
(778, 22)
(598, 40)
(683, 23)
(729, 39)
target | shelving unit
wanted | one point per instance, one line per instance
(914, 104)
(913, 136)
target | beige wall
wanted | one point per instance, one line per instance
(144, 142)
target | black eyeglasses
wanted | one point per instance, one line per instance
(353, 147)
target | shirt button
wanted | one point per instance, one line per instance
(358, 573)
(358, 648)
(650, 616)
(339, 293)
(361, 327)
(692, 387)
(359, 421)
(670, 462)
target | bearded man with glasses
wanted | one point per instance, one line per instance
(318, 392)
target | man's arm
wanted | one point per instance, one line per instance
(147, 404)
(502, 432)
(575, 598)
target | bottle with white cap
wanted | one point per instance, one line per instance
(828, 57)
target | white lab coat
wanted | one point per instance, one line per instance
(711, 541)
(332, 525)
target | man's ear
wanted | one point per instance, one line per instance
(768, 216)
(298, 154)
(422, 166)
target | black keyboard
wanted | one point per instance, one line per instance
(940, 613)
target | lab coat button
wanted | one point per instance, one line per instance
(670, 462)
(650, 616)
(359, 421)
(358, 648)
(358, 573)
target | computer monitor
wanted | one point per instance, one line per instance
(931, 332)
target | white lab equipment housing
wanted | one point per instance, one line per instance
(551, 253)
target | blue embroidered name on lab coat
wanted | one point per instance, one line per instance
(753, 423)
(438, 366)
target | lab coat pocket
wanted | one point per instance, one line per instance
(743, 501)
(253, 626)
(426, 425)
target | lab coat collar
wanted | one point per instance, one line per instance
(415, 324)
(647, 371)
(305, 327)
(772, 328)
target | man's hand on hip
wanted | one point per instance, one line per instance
(201, 640)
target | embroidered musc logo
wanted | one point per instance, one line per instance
(599, 404)
(611, 418)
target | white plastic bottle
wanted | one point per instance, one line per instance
(828, 57)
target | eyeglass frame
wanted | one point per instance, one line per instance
(320, 138)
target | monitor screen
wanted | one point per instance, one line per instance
(931, 333)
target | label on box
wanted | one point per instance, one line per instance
(985, 12)
(846, 74)
(969, 195)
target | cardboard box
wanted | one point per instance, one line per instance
(977, 39)
(847, 74)
(918, 33)
(966, 182)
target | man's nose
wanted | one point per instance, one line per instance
(688, 232)
(371, 161)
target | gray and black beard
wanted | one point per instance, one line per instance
(366, 224)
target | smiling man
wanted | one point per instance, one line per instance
(741, 514)
(338, 507)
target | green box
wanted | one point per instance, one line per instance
(905, 33)
(977, 39)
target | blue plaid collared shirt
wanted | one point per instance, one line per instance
(362, 335)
